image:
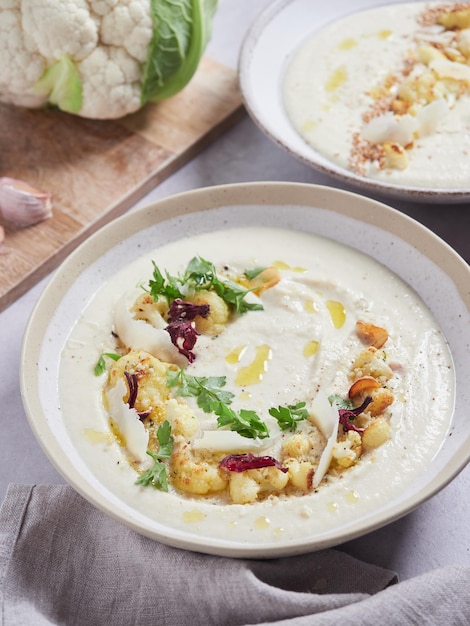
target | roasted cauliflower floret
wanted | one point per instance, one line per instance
(422, 88)
(147, 309)
(348, 449)
(395, 156)
(181, 419)
(376, 433)
(381, 399)
(371, 362)
(193, 476)
(304, 445)
(150, 373)
(296, 447)
(400, 107)
(245, 487)
(218, 316)
(270, 478)
(300, 474)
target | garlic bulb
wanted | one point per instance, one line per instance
(22, 204)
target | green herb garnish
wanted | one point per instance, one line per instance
(207, 389)
(253, 273)
(246, 423)
(156, 476)
(289, 416)
(167, 286)
(211, 398)
(233, 294)
(341, 403)
(199, 275)
(100, 366)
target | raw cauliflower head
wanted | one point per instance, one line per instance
(99, 58)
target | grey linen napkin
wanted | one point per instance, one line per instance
(62, 561)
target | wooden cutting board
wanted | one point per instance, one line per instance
(96, 170)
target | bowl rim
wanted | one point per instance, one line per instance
(360, 207)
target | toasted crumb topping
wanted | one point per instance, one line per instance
(431, 15)
(432, 71)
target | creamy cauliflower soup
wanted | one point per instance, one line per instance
(279, 386)
(385, 93)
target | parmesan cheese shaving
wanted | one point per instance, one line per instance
(323, 415)
(143, 336)
(127, 422)
(326, 418)
(388, 128)
(228, 441)
(431, 116)
(451, 69)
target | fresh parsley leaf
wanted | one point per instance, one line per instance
(253, 273)
(211, 398)
(288, 416)
(100, 366)
(156, 285)
(341, 403)
(165, 440)
(233, 294)
(156, 476)
(200, 274)
(246, 423)
(166, 286)
(207, 389)
(183, 381)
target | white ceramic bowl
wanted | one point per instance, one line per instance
(267, 49)
(415, 254)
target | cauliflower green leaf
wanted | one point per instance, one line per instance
(182, 29)
(62, 85)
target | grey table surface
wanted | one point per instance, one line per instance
(435, 534)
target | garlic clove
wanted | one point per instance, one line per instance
(22, 204)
